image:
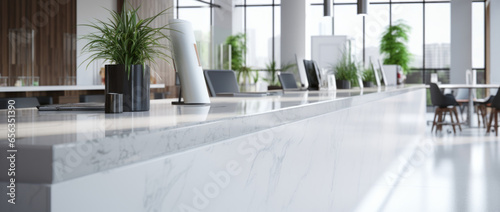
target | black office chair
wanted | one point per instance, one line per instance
(221, 81)
(287, 81)
(445, 104)
(93, 98)
(495, 109)
(20, 102)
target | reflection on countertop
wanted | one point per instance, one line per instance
(51, 128)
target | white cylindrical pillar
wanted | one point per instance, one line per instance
(188, 63)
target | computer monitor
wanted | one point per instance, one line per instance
(221, 81)
(287, 81)
(312, 74)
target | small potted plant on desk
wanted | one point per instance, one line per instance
(346, 70)
(273, 81)
(368, 77)
(129, 43)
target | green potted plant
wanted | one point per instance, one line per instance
(129, 43)
(346, 70)
(273, 81)
(368, 76)
(393, 45)
(238, 49)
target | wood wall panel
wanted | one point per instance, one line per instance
(150, 8)
(54, 22)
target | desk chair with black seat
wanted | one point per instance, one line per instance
(444, 104)
(20, 102)
(495, 110)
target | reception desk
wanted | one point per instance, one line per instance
(302, 151)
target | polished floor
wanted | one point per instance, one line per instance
(444, 172)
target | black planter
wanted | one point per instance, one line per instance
(367, 84)
(343, 84)
(135, 88)
(273, 87)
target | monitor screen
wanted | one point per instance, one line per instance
(312, 74)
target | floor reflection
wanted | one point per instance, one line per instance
(461, 174)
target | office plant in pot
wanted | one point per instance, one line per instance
(246, 76)
(272, 79)
(393, 45)
(346, 70)
(129, 43)
(368, 76)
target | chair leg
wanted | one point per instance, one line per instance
(496, 122)
(478, 119)
(440, 121)
(456, 115)
(488, 128)
(451, 119)
(485, 112)
(434, 120)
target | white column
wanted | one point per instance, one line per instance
(494, 42)
(294, 37)
(461, 39)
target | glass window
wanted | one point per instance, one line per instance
(376, 22)
(259, 36)
(437, 35)
(253, 2)
(478, 35)
(349, 23)
(412, 15)
(317, 23)
(200, 20)
(277, 36)
(183, 3)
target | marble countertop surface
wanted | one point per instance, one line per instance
(59, 146)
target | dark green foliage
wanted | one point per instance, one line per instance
(346, 68)
(394, 45)
(238, 49)
(127, 39)
(369, 75)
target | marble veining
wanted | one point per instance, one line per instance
(74, 144)
(324, 162)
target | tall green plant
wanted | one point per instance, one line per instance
(238, 49)
(394, 45)
(346, 68)
(127, 39)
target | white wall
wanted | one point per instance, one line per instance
(494, 42)
(86, 12)
(461, 40)
(294, 37)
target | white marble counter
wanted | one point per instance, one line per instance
(303, 151)
(66, 145)
(61, 88)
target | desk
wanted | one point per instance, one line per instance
(59, 93)
(61, 88)
(303, 151)
(470, 112)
